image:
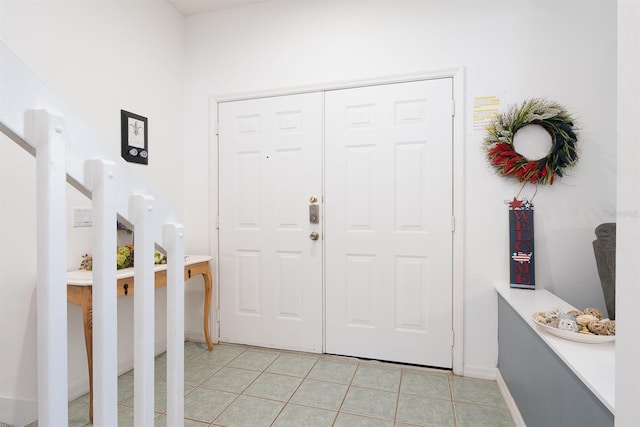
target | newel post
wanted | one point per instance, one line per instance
(51, 201)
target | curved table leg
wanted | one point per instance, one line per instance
(87, 317)
(208, 287)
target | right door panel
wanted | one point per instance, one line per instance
(388, 235)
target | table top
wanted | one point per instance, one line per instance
(85, 278)
(594, 364)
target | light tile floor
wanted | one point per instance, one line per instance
(242, 386)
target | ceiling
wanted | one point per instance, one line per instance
(193, 7)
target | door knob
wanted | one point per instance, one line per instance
(313, 199)
(314, 235)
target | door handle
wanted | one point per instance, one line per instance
(314, 235)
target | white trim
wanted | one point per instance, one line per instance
(197, 336)
(457, 75)
(508, 399)
(458, 213)
(480, 372)
(455, 72)
(18, 412)
(80, 388)
(214, 214)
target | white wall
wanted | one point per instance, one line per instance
(99, 57)
(564, 51)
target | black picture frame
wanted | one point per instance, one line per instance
(135, 137)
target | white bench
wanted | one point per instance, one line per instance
(552, 380)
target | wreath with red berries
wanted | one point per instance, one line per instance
(555, 120)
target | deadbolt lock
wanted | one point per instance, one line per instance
(314, 235)
(313, 199)
(314, 214)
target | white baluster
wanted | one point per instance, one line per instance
(100, 180)
(141, 208)
(49, 137)
(174, 243)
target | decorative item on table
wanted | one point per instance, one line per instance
(159, 257)
(521, 250)
(124, 253)
(124, 258)
(120, 226)
(87, 262)
(587, 325)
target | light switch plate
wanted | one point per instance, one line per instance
(82, 217)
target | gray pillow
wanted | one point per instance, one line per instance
(604, 248)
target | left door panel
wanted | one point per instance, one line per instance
(270, 153)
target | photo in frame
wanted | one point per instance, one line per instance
(135, 137)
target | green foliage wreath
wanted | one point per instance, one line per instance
(555, 120)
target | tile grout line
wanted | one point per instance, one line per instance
(395, 415)
(212, 421)
(288, 399)
(241, 393)
(295, 391)
(344, 398)
(453, 406)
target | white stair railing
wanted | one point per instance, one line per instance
(66, 149)
(101, 178)
(51, 277)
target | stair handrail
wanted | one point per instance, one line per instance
(66, 148)
(22, 92)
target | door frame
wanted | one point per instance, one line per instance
(457, 76)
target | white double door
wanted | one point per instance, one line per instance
(377, 283)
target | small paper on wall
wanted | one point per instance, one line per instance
(521, 254)
(485, 110)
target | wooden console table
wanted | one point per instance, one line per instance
(79, 291)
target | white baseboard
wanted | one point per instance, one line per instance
(195, 336)
(18, 413)
(511, 404)
(82, 387)
(480, 372)
(78, 389)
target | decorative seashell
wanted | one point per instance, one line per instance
(585, 331)
(601, 328)
(540, 318)
(593, 311)
(585, 319)
(612, 326)
(553, 322)
(575, 313)
(566, 316)
(553, 314)
(568, 325)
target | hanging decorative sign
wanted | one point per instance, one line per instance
(521, 253)
(508, 162)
